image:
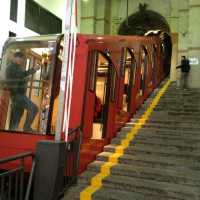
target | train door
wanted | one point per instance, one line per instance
(97, 113)
(144, 71)
(128, 74)
(129, 79)
(132, 90)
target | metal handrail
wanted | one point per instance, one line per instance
(74, 130)
(70, 176)
(73, 157)
(6, 177)
(16, 157)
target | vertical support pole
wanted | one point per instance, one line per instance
(67, 70)
(174, 58)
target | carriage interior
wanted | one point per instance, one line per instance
(37, 53)
(102, 69)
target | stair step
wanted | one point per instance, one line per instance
(73, 192)
(144, 132)
(167, 142)
(171, 122)
(150, 187)
(163, 133)
(154, 161)
(183, 177)
(171, 127)
(182, 137)
(158, 150)
(106, 193)
(162, 142)
(85, 178)
(167, 131)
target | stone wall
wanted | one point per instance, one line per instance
(182, 15)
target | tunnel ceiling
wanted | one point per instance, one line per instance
(143, 21)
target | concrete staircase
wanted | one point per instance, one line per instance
(163, 160)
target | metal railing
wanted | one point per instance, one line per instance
(72, 157)
(12, 180)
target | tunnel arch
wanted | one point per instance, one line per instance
(148, 23)
(143, 21)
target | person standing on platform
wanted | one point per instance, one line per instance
(185, 69)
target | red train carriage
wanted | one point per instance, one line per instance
(138, 66)
(95, 77)
(41, 90)
(141, 72)
(101, 81)
(113, 75)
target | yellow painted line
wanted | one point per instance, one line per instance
(105, 168)
(86, 194)
(113, 158)
(96, 181)
(125, 143)
(119, 149)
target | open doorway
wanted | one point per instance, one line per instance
(129, 76)
(101, 92)
(144, 69)
(154, 64)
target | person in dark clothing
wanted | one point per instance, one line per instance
(98, 109)
(185, 69)
(17, 78)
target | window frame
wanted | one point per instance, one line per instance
(55, 39)
(13, 10)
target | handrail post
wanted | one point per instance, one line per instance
(30, 181)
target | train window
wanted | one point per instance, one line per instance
(94, 60)
(104, 78)
(134, 67)
(129, 77)
(25, 85)
(154, 63)
(144, 68)
(13, 10)
(154, 56)
(130, 67)
(162, 47)
(113, 85)
(123, 62)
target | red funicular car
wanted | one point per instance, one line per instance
(113, 75)
(94, 95)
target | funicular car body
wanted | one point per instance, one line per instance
(113, 75)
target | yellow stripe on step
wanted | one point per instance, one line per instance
(96, 181)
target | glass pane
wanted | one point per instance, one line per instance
(113, 85)
(94, 60)
(41, 20)
(25, 85)
(144, 69)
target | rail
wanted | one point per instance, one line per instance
(12, 180)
